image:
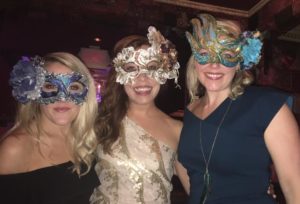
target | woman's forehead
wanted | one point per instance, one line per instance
(58, 68)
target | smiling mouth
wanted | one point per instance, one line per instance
(61, 109)
(214, 76)
(143, 89)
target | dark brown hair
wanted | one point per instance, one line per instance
(114, 105)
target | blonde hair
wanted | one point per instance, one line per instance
(241, 79)
(83, 141)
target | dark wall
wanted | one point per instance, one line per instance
(7, 104)
(38, 32)
(31, 30)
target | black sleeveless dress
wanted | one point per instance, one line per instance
(49, 185)
(239, 165)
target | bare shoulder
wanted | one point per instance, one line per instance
(14, 149)
(174, 124)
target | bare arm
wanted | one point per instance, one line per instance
(180, 171)
(283, 142)
(183, 176)
(15, 151)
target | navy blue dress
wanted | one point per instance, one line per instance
(240, 161)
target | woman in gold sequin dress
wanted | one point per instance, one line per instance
(138, 141)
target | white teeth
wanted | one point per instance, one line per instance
(142, 89)
(214, 75)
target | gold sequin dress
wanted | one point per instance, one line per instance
(139, 170)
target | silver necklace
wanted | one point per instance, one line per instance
(206, 176)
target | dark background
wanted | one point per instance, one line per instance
(30, 27)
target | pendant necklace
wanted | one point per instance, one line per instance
(206, 176)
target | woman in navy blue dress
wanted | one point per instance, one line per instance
(232, 131)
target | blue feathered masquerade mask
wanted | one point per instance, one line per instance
(32, 82)
(215, 43)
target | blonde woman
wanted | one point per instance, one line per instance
(232, 131)
(47, 157)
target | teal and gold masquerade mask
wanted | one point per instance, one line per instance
(216, 43)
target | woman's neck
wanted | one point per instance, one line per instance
(52, 145)
(142, 110)
(52, 130)
(214, 99)
(208, 103)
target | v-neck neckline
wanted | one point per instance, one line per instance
(213, 113)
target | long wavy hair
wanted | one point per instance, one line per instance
(241, 79)
(83, 140)
(114, 105)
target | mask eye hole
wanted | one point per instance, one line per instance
(76, 87)
(228, 55)
(203, 53)
(130, 67)
(152, 65)
(49, 87)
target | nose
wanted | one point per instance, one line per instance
(142, 76)
(215, 64)
(62, 95)
(215, 61)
